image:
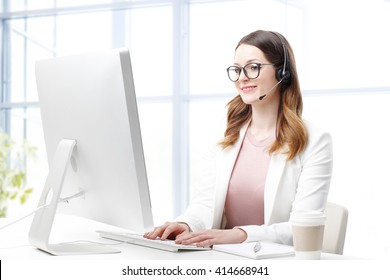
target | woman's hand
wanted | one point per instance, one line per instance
(169, 230)
(211, 237)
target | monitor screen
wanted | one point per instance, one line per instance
(93, 142)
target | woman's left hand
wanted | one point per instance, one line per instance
(210, 237)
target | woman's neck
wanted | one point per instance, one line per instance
(264, 120)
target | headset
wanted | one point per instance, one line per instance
(283, 74)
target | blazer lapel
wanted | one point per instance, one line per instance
(275, 170)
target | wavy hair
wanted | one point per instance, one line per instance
(291, 133)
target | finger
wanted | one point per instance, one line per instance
(171, 231)
(181, 235)
(157, 232)
(207, 243)
(185, 236)
(152, 234)
(201, 241)
(194, 238)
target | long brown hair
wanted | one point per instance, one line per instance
(291, 132)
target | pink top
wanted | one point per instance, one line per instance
(245, 196)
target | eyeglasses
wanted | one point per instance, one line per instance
(251, 71)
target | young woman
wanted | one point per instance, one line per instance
(269, 163)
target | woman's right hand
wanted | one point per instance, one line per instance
(169, 230)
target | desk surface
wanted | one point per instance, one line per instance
(14, 244)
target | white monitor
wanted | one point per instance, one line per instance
(94, 147)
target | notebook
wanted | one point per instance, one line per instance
(268, 250)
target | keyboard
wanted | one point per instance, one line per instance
(138, 239)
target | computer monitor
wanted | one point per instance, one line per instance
(94, 147)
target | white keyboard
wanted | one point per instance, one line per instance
(137, 239)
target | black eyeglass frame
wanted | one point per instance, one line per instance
(259, 65)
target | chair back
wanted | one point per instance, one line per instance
(335, 228)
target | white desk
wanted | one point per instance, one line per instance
(20, 260)
(14, 244)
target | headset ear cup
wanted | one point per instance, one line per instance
(286, 77)
(279, 74)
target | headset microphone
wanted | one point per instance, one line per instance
(264, 95)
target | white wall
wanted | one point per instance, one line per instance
(361, 135)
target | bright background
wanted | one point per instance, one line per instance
(341, 48)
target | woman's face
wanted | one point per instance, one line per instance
(251, 89)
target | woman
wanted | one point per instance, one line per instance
(269, 163)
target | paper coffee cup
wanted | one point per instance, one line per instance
(308, 233)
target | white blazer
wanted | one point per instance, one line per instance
(299, 184)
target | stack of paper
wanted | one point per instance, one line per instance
(268, 250)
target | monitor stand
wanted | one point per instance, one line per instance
(43, 219)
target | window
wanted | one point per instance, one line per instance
(56, 32)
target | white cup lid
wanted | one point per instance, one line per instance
(307, 217)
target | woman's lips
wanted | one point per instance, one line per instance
(246, 89)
